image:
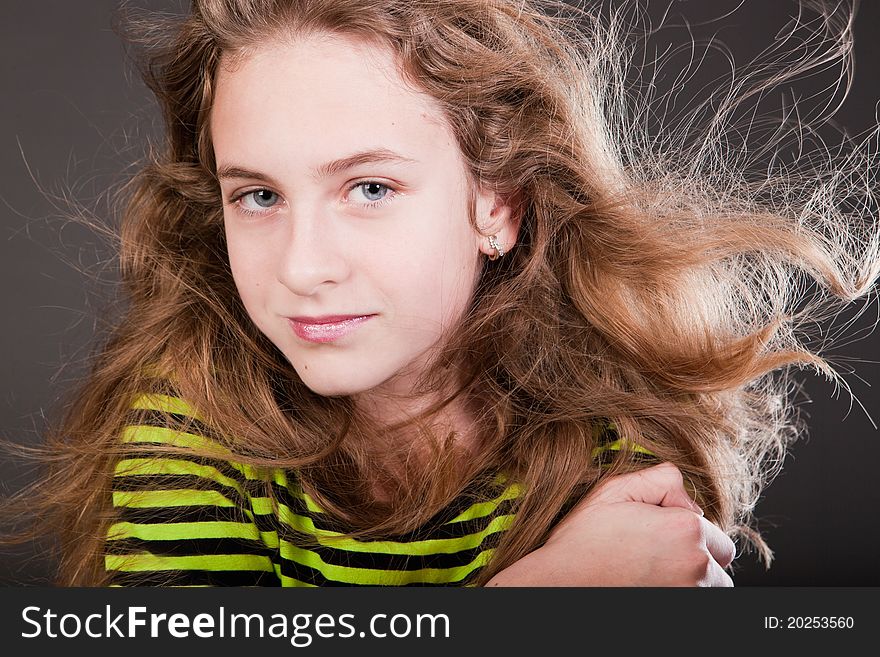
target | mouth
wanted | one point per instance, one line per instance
(328, 328)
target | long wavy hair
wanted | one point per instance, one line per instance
(658, 282)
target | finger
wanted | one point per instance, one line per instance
(716, 576)
(660, 485)
(674, 494)
(719, 544)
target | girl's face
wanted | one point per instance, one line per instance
(345, 193)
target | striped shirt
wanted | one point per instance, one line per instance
(190, 520)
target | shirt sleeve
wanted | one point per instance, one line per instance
(609, 444)
(181, 519)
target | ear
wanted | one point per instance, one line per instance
(499, 217)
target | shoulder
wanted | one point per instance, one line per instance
(610, 444)
(185, 510)
(165, 436)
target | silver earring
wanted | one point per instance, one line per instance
(493, 242)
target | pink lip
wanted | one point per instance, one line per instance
(327, 328)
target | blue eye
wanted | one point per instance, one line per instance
(263, 198)
(373, 191)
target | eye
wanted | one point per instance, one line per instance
(262, 199)
(373, 192)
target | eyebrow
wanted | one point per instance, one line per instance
(371, 156)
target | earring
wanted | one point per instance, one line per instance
(493, 242)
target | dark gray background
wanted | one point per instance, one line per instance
(74, 117)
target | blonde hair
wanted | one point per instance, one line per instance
(657, 282)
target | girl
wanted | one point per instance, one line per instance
(410, 303)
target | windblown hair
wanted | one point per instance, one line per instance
(658, 281)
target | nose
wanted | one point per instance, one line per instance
(313, 254)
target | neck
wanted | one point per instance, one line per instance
(399, 447)
(395, 418)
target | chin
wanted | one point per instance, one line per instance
(332, 388)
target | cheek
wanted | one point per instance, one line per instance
(249, 271)
(438, 290)
(239, 267)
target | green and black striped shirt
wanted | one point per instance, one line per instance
(188, 520)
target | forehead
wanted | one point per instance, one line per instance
(319, 94)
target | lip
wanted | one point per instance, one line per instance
(324, 319)
(326, 328)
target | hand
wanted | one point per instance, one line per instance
(636, 529)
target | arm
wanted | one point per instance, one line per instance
(637, 529)
(181, 519)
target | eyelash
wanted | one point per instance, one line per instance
(391, 193)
